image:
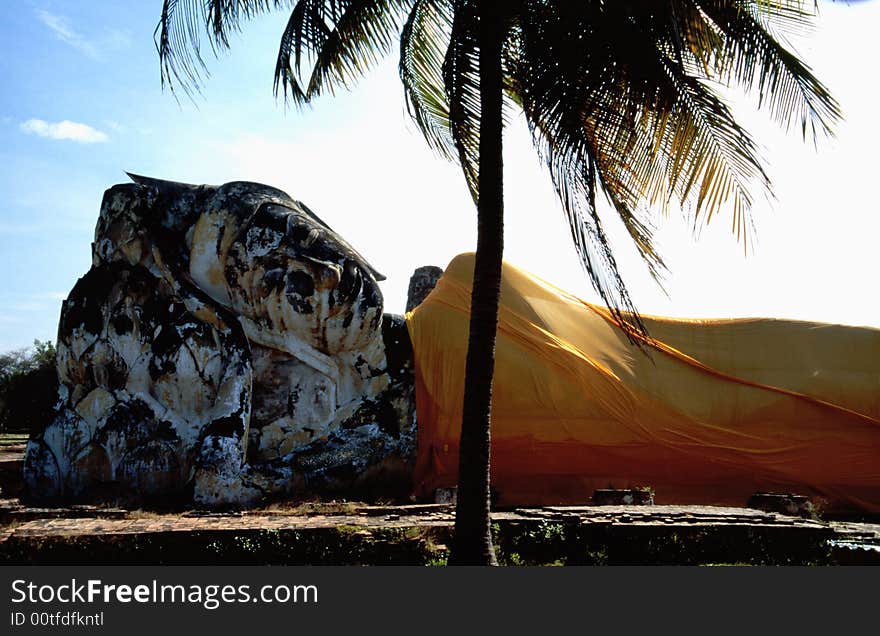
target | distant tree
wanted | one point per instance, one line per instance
(28, 387)
(620, 97)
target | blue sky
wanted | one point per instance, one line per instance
(82, 102)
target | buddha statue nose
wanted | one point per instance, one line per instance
(326, 274)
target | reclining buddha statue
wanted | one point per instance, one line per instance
(227, 346)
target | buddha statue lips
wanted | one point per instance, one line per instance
(226, 340)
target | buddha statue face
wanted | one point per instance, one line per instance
(287, 274)
(279, 268)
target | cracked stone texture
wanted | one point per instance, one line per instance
(421, 283)
(225, 346)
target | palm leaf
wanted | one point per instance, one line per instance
(178, 34)
(461, 79)
(364, 32)
(424, 41)
(306, 30)
(756, 60)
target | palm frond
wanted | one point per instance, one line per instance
(576, 178)
(178, 35)
(618, 98)
(364, 32)
(548, 85)
(755, 59)
(306, 31)
(177, 41)
(713, 159)
(424, 41)
(461, 79)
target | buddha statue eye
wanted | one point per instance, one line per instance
(300, 283)
(297, 232)
(350, 284)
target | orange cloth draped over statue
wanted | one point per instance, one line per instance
(711, 411)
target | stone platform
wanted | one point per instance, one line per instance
(351, 533)
(358, 533)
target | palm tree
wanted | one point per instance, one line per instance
(621, 98)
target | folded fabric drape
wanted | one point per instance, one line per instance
(705, 412)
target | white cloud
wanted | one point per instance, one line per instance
(60, 26)
(70, 130)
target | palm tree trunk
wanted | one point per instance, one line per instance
(473, 539)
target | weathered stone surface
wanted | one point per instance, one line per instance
(785, 503)
(423, 280)
(225, 346)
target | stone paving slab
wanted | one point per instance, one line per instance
(321, 532)
(405, 516)
(39, 533)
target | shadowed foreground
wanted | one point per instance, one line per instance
(359, 534)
